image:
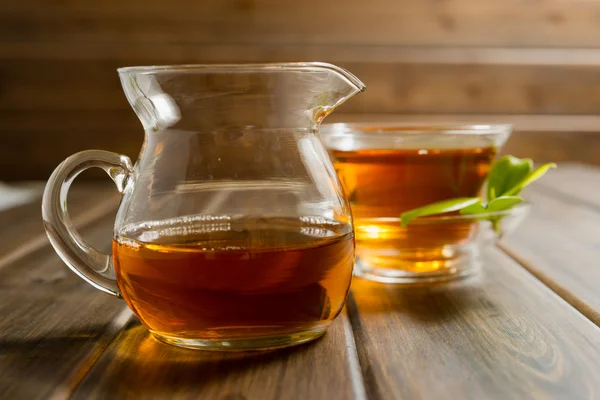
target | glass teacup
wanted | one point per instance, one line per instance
(388, 169)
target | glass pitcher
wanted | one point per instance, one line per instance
(233, 232)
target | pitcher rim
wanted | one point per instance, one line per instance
(251, 67)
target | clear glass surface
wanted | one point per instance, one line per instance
(233, 231)
(387, 169)
(429, 249)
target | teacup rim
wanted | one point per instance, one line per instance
(411, 128)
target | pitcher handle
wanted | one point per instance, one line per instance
(90, 264)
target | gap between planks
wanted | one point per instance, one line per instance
(356, 372)
(333, 52)
(586, 310)
(82, 220)
(369, 384)
(575, 301)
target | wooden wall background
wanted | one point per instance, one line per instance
(534, 63)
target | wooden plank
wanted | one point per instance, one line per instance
(21, 227)
(53, 325)
(565, 138)
(499, 335)
(473, 89)
(392, 87)
(17, 194)
(89, 109)
(457, 22)
(575, 182)
(559, 242)
(44, 151)
(24, 122)
(521, 122)
(218, 51)
(561, 147)
(136, 365)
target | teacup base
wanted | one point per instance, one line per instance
(403, 273)
(245, 344)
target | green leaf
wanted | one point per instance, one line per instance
(503, 203)
(440, 207)
(498, 204)
(477, 208)
(507, 178)
(532, 177)
(505, 174)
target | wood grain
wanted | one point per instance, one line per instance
(499, 335)
(562, 147)
(565, 138)
(137, 366)
(392, 87)
(23, 229)
(59, 90)
(457, 22)
(47, 117)
(559, 242)
(53, 325)
(575, 183)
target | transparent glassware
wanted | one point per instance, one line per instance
(387, 169)
(430, 249)
(233, 232)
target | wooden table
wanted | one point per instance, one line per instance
(526, 327)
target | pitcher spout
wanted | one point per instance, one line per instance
(339, 85)
(201, 98)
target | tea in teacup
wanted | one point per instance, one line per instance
(387, 170)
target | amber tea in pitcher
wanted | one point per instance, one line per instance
(386, 170)
(228, 278)
(233, 232)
